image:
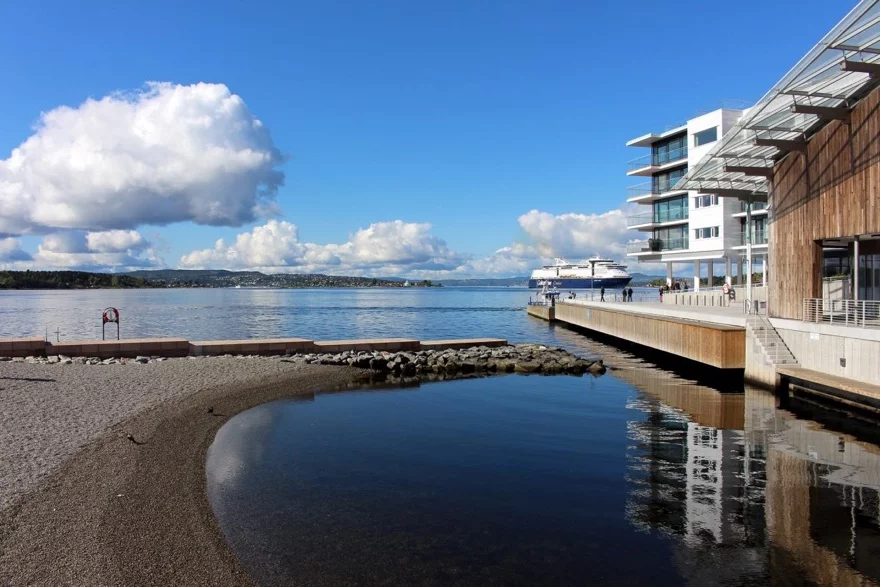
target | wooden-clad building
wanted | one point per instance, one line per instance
(809, 151)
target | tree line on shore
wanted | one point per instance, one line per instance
(183, 278)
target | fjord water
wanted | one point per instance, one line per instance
(318, 314)
(637, 477)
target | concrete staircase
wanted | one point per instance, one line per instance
(769, 341)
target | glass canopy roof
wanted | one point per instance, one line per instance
(823, 86)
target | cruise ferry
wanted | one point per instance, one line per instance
(594, 273)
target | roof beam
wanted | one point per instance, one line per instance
(873, 69)
(857, 49)
(805, 94)
(755, 171)
(823, 112)
(783, 145)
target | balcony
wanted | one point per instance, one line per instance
(646, 191)
(656, 245)
(654, 162)
(757, 208)
(759, 237)
(657, 217)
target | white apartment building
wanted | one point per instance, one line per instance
(681, 226)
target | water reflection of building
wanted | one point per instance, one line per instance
(823, 511)
(763, 497)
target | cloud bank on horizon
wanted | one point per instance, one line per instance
(90, 176)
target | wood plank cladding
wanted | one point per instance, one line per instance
(712, 344)
(831, 191)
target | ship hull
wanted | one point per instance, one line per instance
(584, 282)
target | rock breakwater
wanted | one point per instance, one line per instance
(429, 364)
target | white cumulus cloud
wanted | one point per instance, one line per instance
(115, 250)
(577, 235)
(382, 248)
(167, 153)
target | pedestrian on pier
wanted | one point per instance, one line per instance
(602, 294)
(624, 294)
(629, 294)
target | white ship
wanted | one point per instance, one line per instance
(593, 273)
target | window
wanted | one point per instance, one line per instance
(704, 137)
(705, 201)
(669, 150)
(671, 209)
(708, 232)
(672, 238)
(663, 182)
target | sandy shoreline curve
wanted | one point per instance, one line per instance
(120, 513)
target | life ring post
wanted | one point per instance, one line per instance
(109, 315)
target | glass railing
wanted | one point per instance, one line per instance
(658, 158)
(652, 187)
(671, 215)
(759, 237)
(657, 217)
(673, 244)
(656, 245)
(665, 157)
(755, 206)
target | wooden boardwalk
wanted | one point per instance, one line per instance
(715, 339)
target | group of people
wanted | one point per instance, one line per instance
(676, 286)
(627, 294)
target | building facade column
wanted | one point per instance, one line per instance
(739, 269)
(855, 268)
(669, 274)
(697, 275)
(764, 271)
(710, 281)
(728, 270)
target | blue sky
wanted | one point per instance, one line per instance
(464, 115)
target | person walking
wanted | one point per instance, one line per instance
(623, 297)
(629, 295)
(602, 294)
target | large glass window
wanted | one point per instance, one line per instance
(663, 182)
(672, 149)
(674, 237)
(671, 209)
(759, 231)
(704, 137)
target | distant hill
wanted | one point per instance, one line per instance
(644, 279)
(188, 278)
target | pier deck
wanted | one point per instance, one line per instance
(712, 336)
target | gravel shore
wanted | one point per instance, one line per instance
(81, 504)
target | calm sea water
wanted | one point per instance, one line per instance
(325, 314)
(638, 477)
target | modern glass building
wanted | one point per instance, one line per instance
(689, 226)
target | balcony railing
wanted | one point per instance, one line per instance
(656, 245)
(755, 206)
(657, 159)
(759, 237)
(652, 187)
(859, 313)
(657, 217)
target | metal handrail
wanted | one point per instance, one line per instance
(842, 312)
